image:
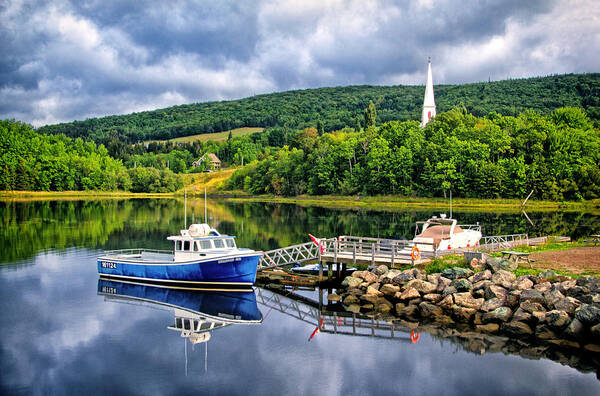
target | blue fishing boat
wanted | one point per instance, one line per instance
(201, 258)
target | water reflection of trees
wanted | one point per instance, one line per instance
(33, 226)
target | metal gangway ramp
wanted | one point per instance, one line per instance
(289, 255)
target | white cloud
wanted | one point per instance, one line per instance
(74, 66)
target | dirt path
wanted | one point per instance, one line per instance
(577, 260)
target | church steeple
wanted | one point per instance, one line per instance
(428, 101)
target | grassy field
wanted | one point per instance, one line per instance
(213, 181)
(215, 137)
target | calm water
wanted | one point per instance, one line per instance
(62, 335)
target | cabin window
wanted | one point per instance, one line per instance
(205, 244)
(219, 243)
(177, 245)
(178, 323)
(230, 243)
(186, 245)
(186, 324)
(194, 246)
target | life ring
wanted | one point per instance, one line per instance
(414, 336)
(415, 253)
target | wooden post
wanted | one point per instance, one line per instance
(393, 253)
(372, 254)
(344, 269)
(335, 251)
(354, 253)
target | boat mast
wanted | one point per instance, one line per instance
(184, 209)
(205, 217)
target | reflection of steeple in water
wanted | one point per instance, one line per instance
(196, 313)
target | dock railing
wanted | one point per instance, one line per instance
(504, 241)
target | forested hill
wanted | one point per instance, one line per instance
(336, 108)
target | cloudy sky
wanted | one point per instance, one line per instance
(64, 60)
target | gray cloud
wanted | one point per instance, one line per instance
(65, 60)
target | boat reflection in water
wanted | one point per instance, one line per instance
(196, 312)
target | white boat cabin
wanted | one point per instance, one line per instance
(444, 234)
(201, 240)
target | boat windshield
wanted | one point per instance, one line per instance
(219, 244)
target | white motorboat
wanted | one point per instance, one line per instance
(442, 233)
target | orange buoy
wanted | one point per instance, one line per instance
(414, 336)
(415, 253)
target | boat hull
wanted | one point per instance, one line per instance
(235, 307)
(230, 271)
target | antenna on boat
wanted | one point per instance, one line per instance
(450, 203)
(185, 208)
(205, 217)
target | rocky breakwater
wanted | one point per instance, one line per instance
(550, 308)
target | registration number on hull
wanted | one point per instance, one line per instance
(108, 264)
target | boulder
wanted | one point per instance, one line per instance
(481, 284)
(531, 295)
(495, 291)
(481, 276)
(493, 263)
(513, 297)
(422, 286)
(539, 316)
(578, 292)
(389, 290)
(449, 290)
(349, 300)
(367, 307)
(564, 286)
(383, 308)
(355, 308)
(592, 348)
(467, 300)
(517, 329)
(574, 330)
(552, 297)
(430, 310)
(522, 283)
(567, 304)
(432, 297)
(381, 270)
(522, 316)
(503, 278)
(374, 289)
(334, 297)
(508, 265)
(590, 282)
(418, 274)
(371, 298)
(457, 273)
(488, 328)
(446, 302)
(442, 283)
(352, 281)
(476, 265)
(402, 278)
(588, 314)
(406, 310)
(461, 285)
(595, 330)
(501, 314)
(369, 277)
(530, 306)
(557, 320)
(491, 304)
(409, 293)
(543, 287)
(544, 332)
(544, 275)
(462, 314)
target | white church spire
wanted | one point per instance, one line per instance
(428, 101)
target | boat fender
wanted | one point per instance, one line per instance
(415, 253)
(414, 336)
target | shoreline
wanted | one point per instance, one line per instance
(327, 201)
